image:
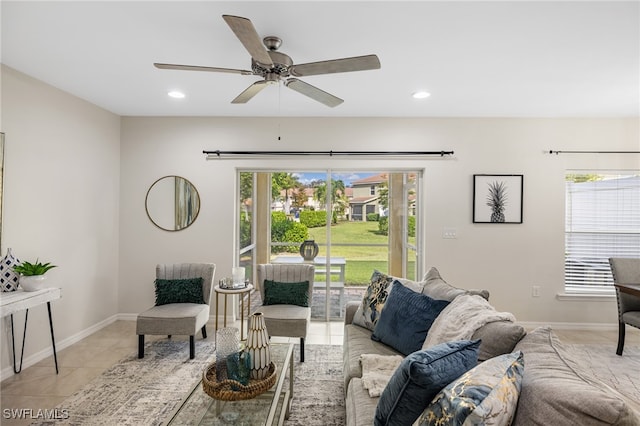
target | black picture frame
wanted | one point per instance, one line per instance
(488, 189)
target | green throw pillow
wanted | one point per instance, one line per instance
(276, 293)
(178, 291)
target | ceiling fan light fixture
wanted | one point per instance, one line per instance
(176, 94)
(421, 94)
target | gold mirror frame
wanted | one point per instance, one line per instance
(172, 203)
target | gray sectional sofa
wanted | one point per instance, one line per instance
(555, 390)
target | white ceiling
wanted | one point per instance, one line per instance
(478, 59)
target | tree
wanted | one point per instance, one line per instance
(246, 186)
(383, 195)
(282, 181)
(337, 191)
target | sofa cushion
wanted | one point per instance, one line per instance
(463, 317)
(357, 341)
(359, 406)
(178, 291)
(375, 297)
(406, 319)
(420, 377)
(485, 395)
(437, 288)
(557, 390)
(277, 293)
(498, 338)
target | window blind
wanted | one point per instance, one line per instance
(602, 220)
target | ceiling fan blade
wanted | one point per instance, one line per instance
(356, 63)
(200, 68)
(250, 92)
(248, 36)
(313, 92)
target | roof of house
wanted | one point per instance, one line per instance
(383, 177)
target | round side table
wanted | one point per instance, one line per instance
(234, 291)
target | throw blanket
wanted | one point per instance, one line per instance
(377, 370)
(461, 318)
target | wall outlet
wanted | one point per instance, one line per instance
(449, 233)
(535, 291)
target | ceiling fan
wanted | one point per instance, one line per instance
(276, 67)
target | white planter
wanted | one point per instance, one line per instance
(32, 282)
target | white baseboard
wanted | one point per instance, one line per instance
(60, 345)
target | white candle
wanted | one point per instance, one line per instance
(238, 274)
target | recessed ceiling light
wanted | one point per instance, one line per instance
(421, 95)
(176, 94)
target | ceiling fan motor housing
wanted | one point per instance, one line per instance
(281, 64)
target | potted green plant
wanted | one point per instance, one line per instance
(32, 276)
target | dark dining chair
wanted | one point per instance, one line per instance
(626, 271)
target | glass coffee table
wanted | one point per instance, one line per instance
(270, 408)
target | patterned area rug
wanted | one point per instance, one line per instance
(318, 388)
(147, 391)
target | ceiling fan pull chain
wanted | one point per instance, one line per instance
(279, 107)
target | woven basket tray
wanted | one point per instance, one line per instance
(231, 390)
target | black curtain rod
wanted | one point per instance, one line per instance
(593, 152)
(329, 153)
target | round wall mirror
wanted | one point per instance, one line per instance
(172, 203)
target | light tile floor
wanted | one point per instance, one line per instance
(38, 387)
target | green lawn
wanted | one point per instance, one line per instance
(361, 259)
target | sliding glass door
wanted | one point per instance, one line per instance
(360, 220)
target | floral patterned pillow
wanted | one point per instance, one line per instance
(486, 395)
(373, 300)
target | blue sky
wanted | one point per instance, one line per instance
(347, 177)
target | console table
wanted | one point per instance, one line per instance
(19, 300)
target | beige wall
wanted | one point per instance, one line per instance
(90, 170)
(506, 259)
(61, 189)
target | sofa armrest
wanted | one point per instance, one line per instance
(350, 310)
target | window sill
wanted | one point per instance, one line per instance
(586, 297)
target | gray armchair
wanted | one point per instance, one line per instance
(626, 271)
(178, 318)
(286, 320)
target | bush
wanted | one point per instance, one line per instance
(383, 225)
(278, 217)
(287, 231)
(373, 217)
(313, 219)
(297, 233)
(412, 226)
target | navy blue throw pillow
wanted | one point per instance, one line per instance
(420, 377)
(406, 318)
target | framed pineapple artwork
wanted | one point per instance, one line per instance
(497, 198)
